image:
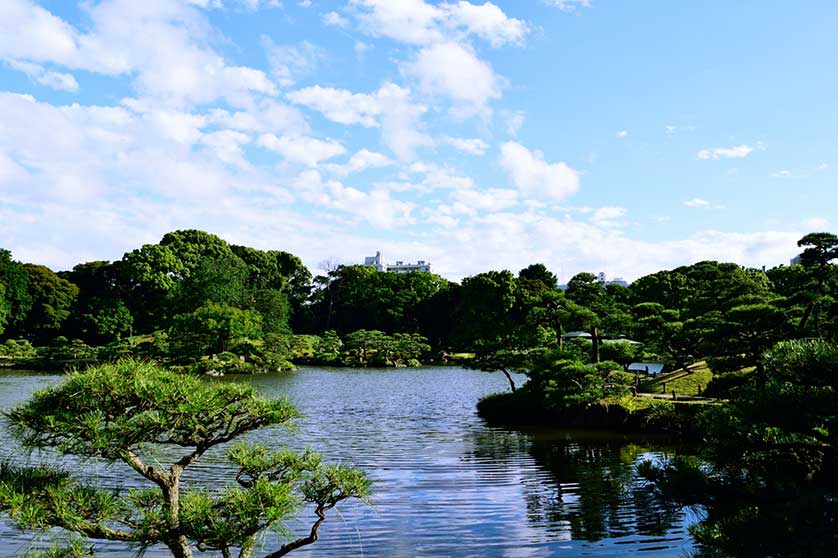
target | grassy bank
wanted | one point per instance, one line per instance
(625, 414)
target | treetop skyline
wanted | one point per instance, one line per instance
(590, 135)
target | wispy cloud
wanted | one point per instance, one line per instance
(569, 6)
(715, 153)
(697, 202)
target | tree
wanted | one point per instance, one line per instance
(107, 320)
(563, 383)
(739, 339)
(505, 360)
(766, 477)
(15, 299)
(820, 250)
(484, 316)
(539, 272)
(363, 346)
(100, 314)
(122, 413)
(53, 300)
(596, 311)
(212, 329)
(150, 273)
(219, 280)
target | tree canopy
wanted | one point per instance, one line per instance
(122, 413)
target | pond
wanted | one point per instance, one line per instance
(445, 483)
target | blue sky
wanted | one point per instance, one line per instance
(591, 135)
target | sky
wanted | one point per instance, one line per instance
(589, 135)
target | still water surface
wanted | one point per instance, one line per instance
(445, 484)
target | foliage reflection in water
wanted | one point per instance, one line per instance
(445, 484)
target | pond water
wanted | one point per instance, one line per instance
(445, 483)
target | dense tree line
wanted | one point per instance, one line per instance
(205, 295)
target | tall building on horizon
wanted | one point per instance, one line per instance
(400, 266)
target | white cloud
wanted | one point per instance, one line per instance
(291, 62)
(360, 161)
(534, 176)
(453, 70)
(334, 19)
(340, 105)
(816, 224)
(401, 122)
(569, 6)
(608, 216)
(487, 21)
(622, 134)
(436, 177)
(29, 32)
(420, 23)
(491, 200)
(514, 120)
(163, 46)
(472, 146)
(697, 202)
(390, 107)
(302, 149)
(410, 21)
(737, 152)
(82, 183)
(376, 207)
(181, 127)
(267, 115)
(53, 80)
(227, 146)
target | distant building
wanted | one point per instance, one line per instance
(399, 267)
(374, 261)
(618, 281)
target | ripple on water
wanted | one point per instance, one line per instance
(446, 485)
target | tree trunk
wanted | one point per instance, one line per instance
(509, 377)
(811, 306)
(311, 538)
(176, 542)
(595, 345)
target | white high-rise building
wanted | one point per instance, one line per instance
(374, 261)
(399, 267)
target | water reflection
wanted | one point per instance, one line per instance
(445, 483)
(583, 489)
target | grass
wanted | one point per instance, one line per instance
(689, 381)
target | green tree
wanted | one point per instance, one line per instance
(213, 280)
(15, 299)
(362, 346)
(100, 315)
(539, 272)
(212, 329)
(562, 383)
(484, 317)
(53, 300)
(767, 472)
(107, 320)
(150, 273)
(739, 338)
(820, 249)
(596, 311)
(122, 413)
